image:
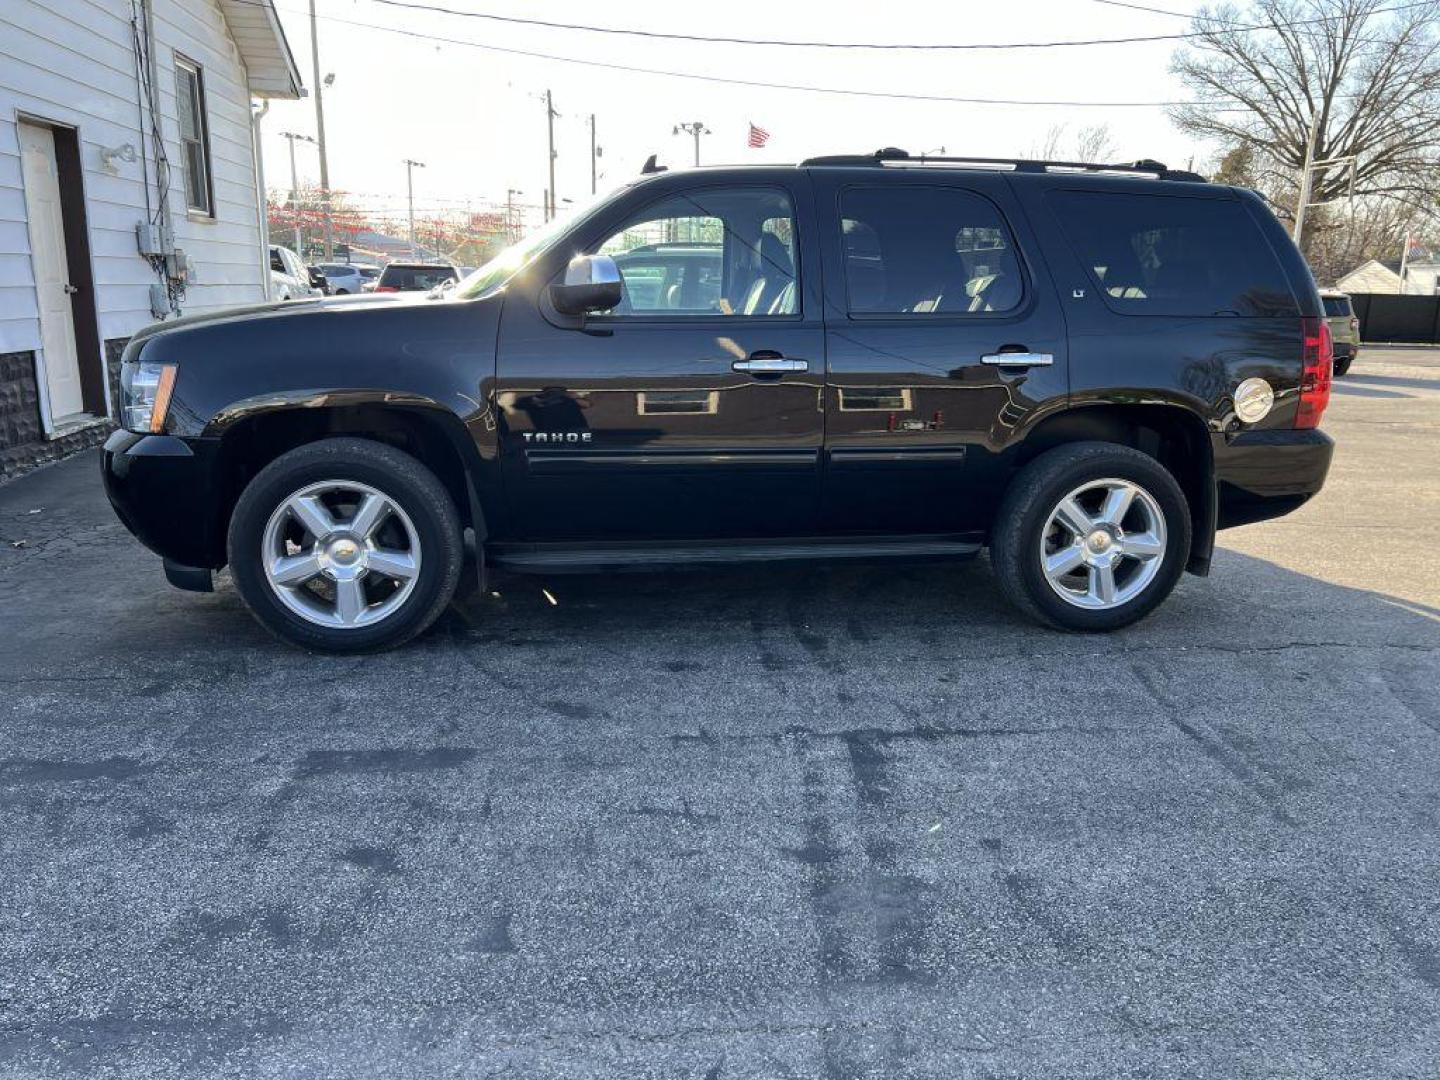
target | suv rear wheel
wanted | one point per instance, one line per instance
(345, 545)
(1091, 536)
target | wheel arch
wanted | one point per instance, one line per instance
(1171, 433)
(253, 435)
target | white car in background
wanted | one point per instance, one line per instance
(344, 279)
(289, 280)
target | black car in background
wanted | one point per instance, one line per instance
(1087, 368)
(414, 277)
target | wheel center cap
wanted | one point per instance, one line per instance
(1099, 541)
(344, 552)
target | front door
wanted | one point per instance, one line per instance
(694, 409)
(944, 337)
(52, 280)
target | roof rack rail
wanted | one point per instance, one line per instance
(891, 155)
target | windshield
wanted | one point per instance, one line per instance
(517, 256)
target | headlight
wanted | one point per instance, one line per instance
(145, 395)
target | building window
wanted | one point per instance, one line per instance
(194, 135)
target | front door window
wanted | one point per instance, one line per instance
(716, 251)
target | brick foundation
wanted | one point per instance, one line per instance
(23, 444)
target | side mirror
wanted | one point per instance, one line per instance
(592, 283)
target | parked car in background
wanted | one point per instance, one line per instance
(1086, 369)
(345, 279)
(1344, 328)
(370, 277)
(289, 280)
(415, 277)
(318, 279)
(677, 277)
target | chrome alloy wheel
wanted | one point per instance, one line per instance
(1103, 544)
(341, 554)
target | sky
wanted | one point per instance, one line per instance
(476, 116)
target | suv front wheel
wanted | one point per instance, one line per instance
(1091, 536)
(345, 545)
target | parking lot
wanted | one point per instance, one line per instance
(780, 822)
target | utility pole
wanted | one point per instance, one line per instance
(1404, 262)
(512, 227)
(410, 166)
(550, 130)
(1306, 176)
(594, 157)
(295, 188)
(695, 128)
(320, 138)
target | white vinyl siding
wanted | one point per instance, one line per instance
(71, 62)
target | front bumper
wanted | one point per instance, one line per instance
(1264, 474)
(166, 491)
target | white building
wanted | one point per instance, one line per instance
(1422, 278)
(130, 190)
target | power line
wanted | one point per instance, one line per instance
(732, 81)
(1144, 7)
(806, 88)
(415, 5)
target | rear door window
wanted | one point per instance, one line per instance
(1174, 255)
(913, 250)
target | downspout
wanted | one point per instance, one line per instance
(261, 205)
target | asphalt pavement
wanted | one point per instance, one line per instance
(784, 822)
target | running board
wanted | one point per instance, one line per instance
(557, 558)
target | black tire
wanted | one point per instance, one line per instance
(1036, 491)
(404, 481)
(1342, 366)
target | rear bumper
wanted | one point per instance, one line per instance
(164, 490)
(1264, 474)
(1345, 350)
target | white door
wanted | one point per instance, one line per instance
(52, 283)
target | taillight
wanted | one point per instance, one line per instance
(386, 288)
(1354, 325)
(1317, 358)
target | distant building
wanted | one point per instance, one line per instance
(130, 190)
(1422, 278)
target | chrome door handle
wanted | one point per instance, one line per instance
(1018, 359)
(770, 365)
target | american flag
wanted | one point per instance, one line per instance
(758, 137)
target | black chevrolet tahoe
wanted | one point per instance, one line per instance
(1087, 368)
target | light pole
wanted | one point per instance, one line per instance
(1306, 175)
(695, 128)
(410, 166)
(550, 135)
(595, 153)
(320, 135)
(295, 187)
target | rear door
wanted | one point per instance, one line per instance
(944, 337)
(694, 409)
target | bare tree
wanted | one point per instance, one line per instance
(1366, 73)
(1048, 148)
(1093, 143)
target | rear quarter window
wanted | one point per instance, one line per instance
(416, 277)
(1174, 255)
